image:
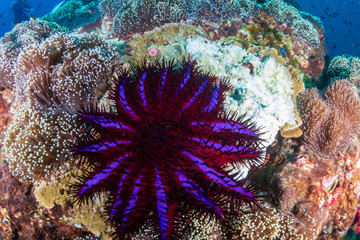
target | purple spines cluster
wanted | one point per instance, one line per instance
(166, 141)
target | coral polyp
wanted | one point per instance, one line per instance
(165, 142)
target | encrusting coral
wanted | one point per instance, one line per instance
(329, 123)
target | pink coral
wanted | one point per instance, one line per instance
(153, 52)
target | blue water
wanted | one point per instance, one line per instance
(40, 8)
(341, 19)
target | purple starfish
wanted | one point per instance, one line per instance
(165, 140)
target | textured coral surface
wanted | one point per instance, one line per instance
(22, 217)
(269, 54)
(326, 189)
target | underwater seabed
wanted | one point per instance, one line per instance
(177, 120)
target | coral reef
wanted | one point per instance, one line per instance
(12, 43)
(344, 67)
(325, 189)
(82, 65)
(267, 53)
(301, 27)
(139, 16)
(165, 143)
(332, 122)
(37, 141)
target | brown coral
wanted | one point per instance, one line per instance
(37, 142)
(78, 65)
(51, 79)
(332, 121)
(24, 34)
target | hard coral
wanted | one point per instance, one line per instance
(302, 28)
(164, 143)
(345, 67)
(332, 121)
(138, 16)
(77, 64)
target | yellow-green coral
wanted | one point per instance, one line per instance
(90, 216)
(254, 34)
(169, 40)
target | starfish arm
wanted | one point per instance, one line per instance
(101, 177)
(101, 146)
(106, 121)
(166, 211)
(134, 93)
(197, 192)
(189, 105)
(123, 103)
(213, 101)
(129, 207)
(117, 201)
(218, 177)
(226, 126)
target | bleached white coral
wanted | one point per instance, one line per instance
(263, 94)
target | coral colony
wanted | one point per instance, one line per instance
(162, 154)
(164, 143)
